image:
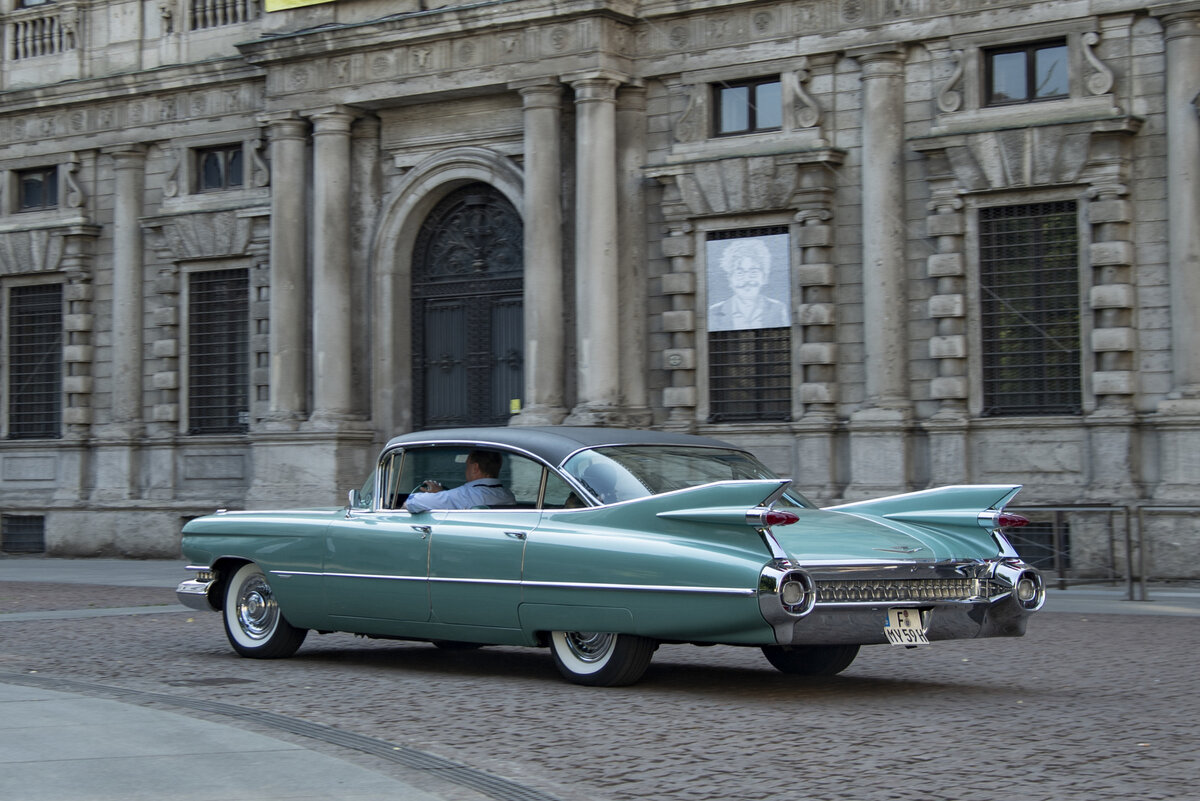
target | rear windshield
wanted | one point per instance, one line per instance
(635, 471)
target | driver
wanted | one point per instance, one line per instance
(483, 487)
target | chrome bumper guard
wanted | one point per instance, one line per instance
(193, 593)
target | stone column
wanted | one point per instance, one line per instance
(129, 167)
(332, 327)
(1178, 419)
(631, 217)
(597, 285)
(116, 456)
(289, 273)
(545, 322)
(1182, 31)
(878, 432)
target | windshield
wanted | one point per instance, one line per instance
(635, 471)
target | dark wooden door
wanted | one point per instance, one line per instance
(468, 337)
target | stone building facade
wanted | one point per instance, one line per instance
(241, 247)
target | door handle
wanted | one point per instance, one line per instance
(516, 535)
(424, 531)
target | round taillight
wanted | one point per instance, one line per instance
(797, 592)
(1010, 520)
(792, 593)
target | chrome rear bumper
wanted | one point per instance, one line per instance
(849, 603)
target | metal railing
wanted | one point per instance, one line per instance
(1129, 544)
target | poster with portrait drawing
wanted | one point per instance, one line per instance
(748, 283)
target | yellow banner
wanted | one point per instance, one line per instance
(284, 5)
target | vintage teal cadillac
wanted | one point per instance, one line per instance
(612, 542)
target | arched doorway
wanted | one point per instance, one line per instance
(468, 332)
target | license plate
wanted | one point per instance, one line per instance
(905, 627)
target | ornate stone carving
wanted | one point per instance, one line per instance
(75, 196)
(1101, 80)
(692, 125)
(260, 169)
(950, 98)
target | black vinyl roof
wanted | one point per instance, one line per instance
(554, 443)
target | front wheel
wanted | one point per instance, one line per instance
(810, 660)
(598, 659)
(253, 623)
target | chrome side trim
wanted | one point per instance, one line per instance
(573, 585)
(381, 576)
(739, 591)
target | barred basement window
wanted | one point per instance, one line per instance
(1029, 309)
(22, 534)
(219, 352)
(749, 325)
(35, 340)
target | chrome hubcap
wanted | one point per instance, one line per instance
(589, 646)
(257, 611)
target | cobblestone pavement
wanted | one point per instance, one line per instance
(1086, 707)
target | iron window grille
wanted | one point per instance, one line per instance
(22, 534)
(219, 352)
(748, 107)
(35, 341)
(37, 189)
(1029, 309)
(1026, 73)
(219, 169)
(749, 370)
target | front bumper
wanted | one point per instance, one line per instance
(194, 593)
(849, 603)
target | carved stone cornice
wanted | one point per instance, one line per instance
(1034, 155)
(206, 235)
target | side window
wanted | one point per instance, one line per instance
(524, 477)
(748, 107)
(559, 494)
(219, 168)
(37, 189)
(1026, 73)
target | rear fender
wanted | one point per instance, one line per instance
(962, 509)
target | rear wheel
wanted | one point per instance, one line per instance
(810, 660)
(253, 623)
(599, 659)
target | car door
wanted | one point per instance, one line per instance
(475, 565)
(376, 567)
(377, 558)
(476, 555)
